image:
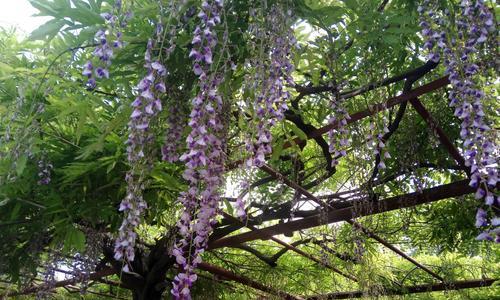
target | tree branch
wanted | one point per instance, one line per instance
(310, 90)
(268, 260)
(415, 75)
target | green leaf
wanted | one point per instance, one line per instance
(165, 180)
(15, 211)
(4, 201)
(21, 164)
(277, 149)
(391, 39)
(76, 170)
(74, 239)
(44, 7)
(330, 15)
(229, 207)
(47, 30)
(81, 4)
(110, 167)
(5, 68)
(84, 15)
(352, 4)
(31, 203)
(297, 131)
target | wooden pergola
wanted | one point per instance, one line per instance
(328, 211)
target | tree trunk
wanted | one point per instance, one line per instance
(149, 293)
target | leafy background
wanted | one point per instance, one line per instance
(82, 133)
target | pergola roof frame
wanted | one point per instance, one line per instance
(345, 214)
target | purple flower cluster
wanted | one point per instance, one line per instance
(359, 248)
(204, 158)
(140, 145)
(173, 141)
(272, 71)
(338, 137)
(44, 171)
(177, 117)
(48, 276)
(107, 40)
(240, 203)
(24, 139)
(460, 51)
(376, 143)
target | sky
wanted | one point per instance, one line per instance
(19, 13)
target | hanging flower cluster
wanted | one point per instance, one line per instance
(338, 137)
(44, 171)
(204, 158)
(474, 25)
(177, 117)
(273, 69)
(173, 141)
(141, 140)
(107, 40)
(49, 276)
(25, 139)
(140, 147)
(376, 141)
(11, 133)
(240, 203)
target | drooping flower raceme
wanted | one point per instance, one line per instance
(44, 170)
(339, 136)
(376, 141)
(204, 157)
(141, 140)
(240, 203)
(461, 53)
(140, 148)
(271, 70)
(107, 39)
(173, 142)
(177, 116)
(22, 141)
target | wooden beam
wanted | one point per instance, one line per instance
(424, 288)
(298, 188)
(450, 190)
(93, 276)
(245, 281)
(424, 89)
(434, 126)
(297, 250)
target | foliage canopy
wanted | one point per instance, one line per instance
(343, 48)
